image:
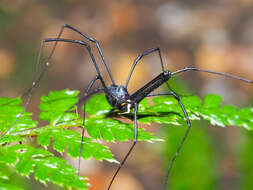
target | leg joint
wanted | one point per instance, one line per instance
(175, 95)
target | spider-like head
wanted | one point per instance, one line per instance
(118, 97)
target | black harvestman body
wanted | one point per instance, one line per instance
(117, 96)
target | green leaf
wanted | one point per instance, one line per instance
(101, 124)
(210, 110)
(10, 110)
(111, 129)
(64, 137)
(43, 164)
(212, 101)
(56, 104)
(10, 139)
(191, 101)
(98, 105)
(169, 119)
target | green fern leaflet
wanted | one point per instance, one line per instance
(58, 109)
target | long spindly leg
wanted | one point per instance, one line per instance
(211, 72)
(86, 94)
(131, 148)
(140, 57)
(82, 43)
(186, 133)
(29, 92)
(80, 101)
(38, 76)
(93, 41)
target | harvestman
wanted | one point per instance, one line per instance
(117, 96)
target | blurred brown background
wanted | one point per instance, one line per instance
(211, 34)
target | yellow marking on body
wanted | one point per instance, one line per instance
(128, 107)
